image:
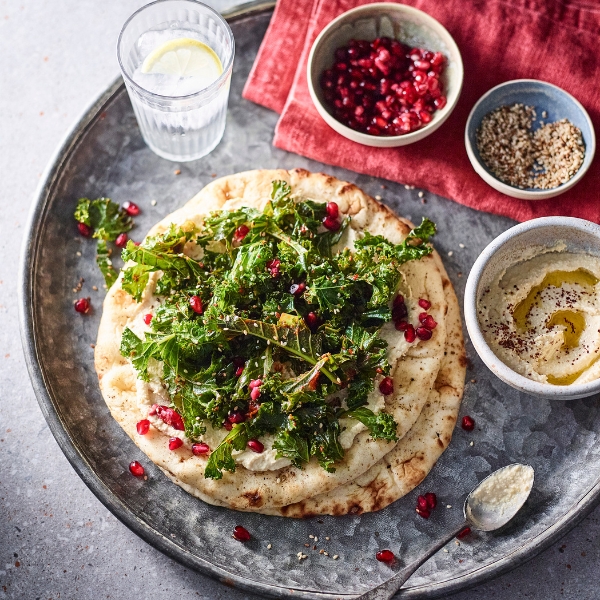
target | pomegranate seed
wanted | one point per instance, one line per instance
(431, 499)
(84, 230)
(175, 443)
(385, 556)
(297, 289)
(399, 299)
(423, 303)
(148, 318)
(143, 426)
(273, 267)
(238, 361)
(136, 469)
(133, 210)
(196, 304)
(228, 426)
(255, 383)
(410, 334)
(438, 59)
(440, 102)
(121, 240)
(399, 312)
(256, 446)
(239, 371)
(241, 533)
(168, 416)
(241, 232)
(468, 423)
(463, 533)
(423, 333)
(332, 210)
(386, 387)
(83, 305)
(200, 449)
(255, 393)
(422, 316)
(429, 322)
(401, 325)
(312, 320)
(237, 416)
(423, 512)
(422, 503)
(331, 223)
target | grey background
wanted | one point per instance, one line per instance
(56, 539)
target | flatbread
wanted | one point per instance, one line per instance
(414, 375)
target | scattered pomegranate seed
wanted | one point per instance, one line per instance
(255, 383)
(237, 416)
(297, 289)
(401, 325)
(385, 556)
(200, 449)
(399, 312)
(399, 299)
(273, 267)
(133, 210)
(84, 230)
(241, 533)
(121, 240)
(422, 503)
(386, 387)
(429, 322)
(239, 371)
(422, 316)
(255, 393)
(333, 210)
(148, 318)
(463, 533)
(241, 232)
(425, 304)
(256, 446)
(468, 423)
(143, 426)
(423, 333)
(136, 469)
(196, 304)
(82, 305)
(423, 512)
(175, 443)
(312, 320)
(331, 223)
(168, 416)
(228, 426)
(431, 499)
(410, 334)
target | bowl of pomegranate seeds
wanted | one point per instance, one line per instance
(384, 74)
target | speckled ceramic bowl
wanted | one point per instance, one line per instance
(404, 23)
(544, 96)
(579, 236)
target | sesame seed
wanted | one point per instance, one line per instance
(448, 505)
(445, 550)
(407, 187)
(461, 245)
(377, 197)
(420, 194)
(335, 557)
(472, 444)
(327, 538)
(78, 253)
(311, 536)
(153, 202)
(269, 546)
(450, 253)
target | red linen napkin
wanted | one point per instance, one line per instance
(551, 40)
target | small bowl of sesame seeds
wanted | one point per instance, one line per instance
(530, 139)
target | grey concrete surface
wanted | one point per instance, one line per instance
(56, 539)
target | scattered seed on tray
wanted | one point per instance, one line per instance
(525, 159)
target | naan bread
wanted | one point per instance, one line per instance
(414, 373)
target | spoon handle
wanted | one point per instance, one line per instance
(386, 590)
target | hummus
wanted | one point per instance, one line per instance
(541, 317)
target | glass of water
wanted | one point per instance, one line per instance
(176, 57)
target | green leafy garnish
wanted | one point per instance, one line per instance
(107, 221)
(281, 303)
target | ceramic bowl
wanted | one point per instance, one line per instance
(579, 236)
(404, 23)
(544, 96)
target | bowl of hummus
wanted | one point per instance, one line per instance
(532, 307)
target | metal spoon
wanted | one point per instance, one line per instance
(480, 512)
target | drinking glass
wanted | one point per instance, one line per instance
(177, 122)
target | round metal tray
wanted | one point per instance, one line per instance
(105, 155)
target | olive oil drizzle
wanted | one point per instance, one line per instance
(572, 321)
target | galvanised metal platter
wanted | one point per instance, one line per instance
(105, 156)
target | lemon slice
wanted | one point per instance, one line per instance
(184, 57)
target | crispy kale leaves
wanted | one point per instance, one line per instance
(281, 303)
